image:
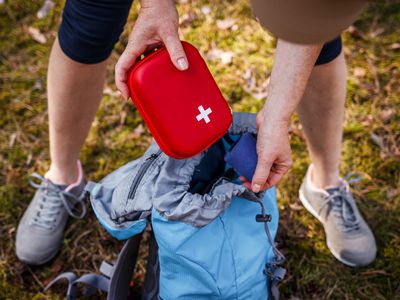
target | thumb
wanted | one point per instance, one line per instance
(174, 47)
(261, 174)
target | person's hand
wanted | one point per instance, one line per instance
(274, 153)
(156, 24)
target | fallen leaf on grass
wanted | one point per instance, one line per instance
(355, 32)
(38, 85)
(377, 32)
(45, 9)
(122, 120)
(206, 10)
(138, 131)
(393, 193)
(13, 138)
(187, 19)
(377, 140)
(386, 114)
(37, 35)
(225, 56)
(395, 46)
(108, 91)
(225, 24)
(295, 206)
(359, 72)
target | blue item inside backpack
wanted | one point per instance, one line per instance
(243, 155)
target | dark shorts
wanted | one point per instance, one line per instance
(90, 29)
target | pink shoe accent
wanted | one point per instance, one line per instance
(79, 180)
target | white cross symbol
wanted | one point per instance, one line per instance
(203, 115)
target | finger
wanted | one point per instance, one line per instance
(243, 179)
(277, 173)
(273, 179)
(259, 119)
(127, 59)
(261, 174)
(174, 47)
(247, 185)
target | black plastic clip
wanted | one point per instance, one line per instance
(263, 218)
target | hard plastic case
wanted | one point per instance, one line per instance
(184, 110)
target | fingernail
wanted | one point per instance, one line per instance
(182, 63)
(256, 188)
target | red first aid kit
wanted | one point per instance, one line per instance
(184, 110)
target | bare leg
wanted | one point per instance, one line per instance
(74, 93)
(321, 113)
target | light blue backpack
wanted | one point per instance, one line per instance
(215, 237)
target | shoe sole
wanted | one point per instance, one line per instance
(38, 263)
(309, 207)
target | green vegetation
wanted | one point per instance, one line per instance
(240, 55)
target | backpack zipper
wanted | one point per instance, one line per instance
(142, 170)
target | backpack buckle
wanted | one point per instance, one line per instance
(263, 218)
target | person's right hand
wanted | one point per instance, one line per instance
(273, 150)
(156, 24)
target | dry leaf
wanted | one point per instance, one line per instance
(13, 138)
(206, 10)
(38, 85)
(395, 46)
(295, 206)
(108, 91)
(377, 140)
(225, 24)
(359, 72)
(187, 18)
(122, 120)
(225, 56)
(45, 9)
(393, 193)
(377, 32)
(354, 31)
(138, 131)
(386, 114)
(37, 35)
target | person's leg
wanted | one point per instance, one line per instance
(76, 74)
(321, 113)
(74, 93)
(323, 193)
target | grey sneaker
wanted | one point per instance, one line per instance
(348, 236)
(41, 228)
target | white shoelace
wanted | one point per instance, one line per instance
(339, 203)
(52, 200)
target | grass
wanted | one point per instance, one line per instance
(371, 144)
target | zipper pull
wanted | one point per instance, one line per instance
(153, 156)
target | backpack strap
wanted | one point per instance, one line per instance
(70, 277)
(274, 274)
(152, 280)
(123, 269)
(114, 278)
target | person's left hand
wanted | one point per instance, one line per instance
(274, 153)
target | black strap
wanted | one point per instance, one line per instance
(152, 280)
(123, 269)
